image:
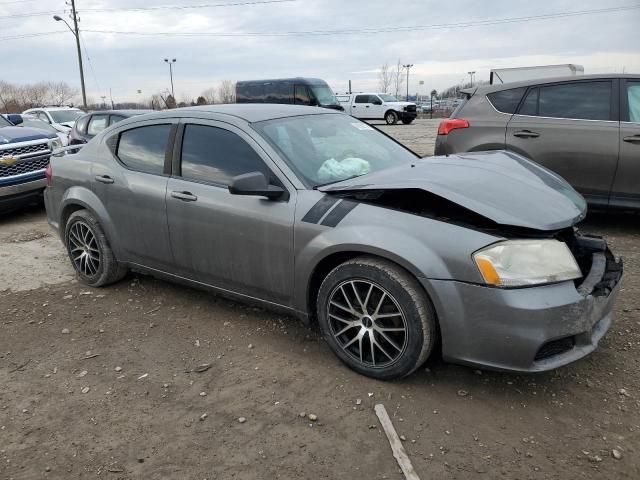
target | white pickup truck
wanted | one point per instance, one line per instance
(378, 106)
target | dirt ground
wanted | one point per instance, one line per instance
(104, 383)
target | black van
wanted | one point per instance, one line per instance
(298, 91)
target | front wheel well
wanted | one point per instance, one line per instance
(330, 262)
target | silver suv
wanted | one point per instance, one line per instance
(315, 213)
(586, 128)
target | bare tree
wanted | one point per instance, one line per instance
(210, 95)
(384, 78)
(227, 92)
(61, 93)
(397, 78)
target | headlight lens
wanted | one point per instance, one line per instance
(56, 143)
(518, 263)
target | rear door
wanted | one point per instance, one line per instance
(361, 106)
(239, 243)
(626, 186)
(572, 129)
(132, 185)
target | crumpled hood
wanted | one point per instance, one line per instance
(22, 134)
(499, 185)
(68, 125)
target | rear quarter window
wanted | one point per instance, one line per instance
(506, 101)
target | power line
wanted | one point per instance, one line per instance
(374, 30)
(86, 53)
(29, 35)
(158, 7)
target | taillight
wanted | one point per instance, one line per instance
(452, 124)
(48, 173)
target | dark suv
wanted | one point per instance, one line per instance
(587, 129)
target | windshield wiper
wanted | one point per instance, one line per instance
(338, 181)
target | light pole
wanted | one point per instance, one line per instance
(407, 66)
(171, 62)
(471, 74)
(76, 33)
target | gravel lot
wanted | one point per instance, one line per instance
(105, 383)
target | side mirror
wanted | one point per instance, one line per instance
(15, 119)
(254, 184)
(377, 102)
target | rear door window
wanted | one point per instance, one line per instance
(144, 148)
(576, 100)
(97, 124)
(116, 119)
(506, 101)
(633, 99)
(302, 96)
(530, 104)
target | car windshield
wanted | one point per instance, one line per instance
(64, 116)
(324, 95)
(323, 149)
(387, 98)
(4, 122)
(37, 124)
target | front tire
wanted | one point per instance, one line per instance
(376, 318)
(89, 251)
(391, 117)
(407, 122)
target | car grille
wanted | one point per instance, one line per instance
(27, 150)
(24, 167)
(555, 347)
(411, 108)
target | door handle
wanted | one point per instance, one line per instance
(366, 106)
(632, 139)
(526, 134)
(184, 196)
(104, 179)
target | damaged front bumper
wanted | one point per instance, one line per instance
(529, 329)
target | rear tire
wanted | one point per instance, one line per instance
(376, 318)
(391, 117)
(89, 250)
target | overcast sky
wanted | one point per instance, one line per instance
(603, 42)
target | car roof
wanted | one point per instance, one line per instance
(127, 112)
(249, 112)
(51, 108)
(483, 89)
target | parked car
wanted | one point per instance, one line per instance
(585, 128)
(293, 91)
(89, 125)
(378, 106)
(320, 215)
(60, 118)
(24, 156)
(30, 121)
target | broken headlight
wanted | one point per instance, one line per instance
(519, 263)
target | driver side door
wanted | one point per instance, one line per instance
(242, 244)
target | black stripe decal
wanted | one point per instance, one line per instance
(319, 209)
(337, 214)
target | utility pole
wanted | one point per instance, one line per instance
(76, 33)
(113, 107)
(408, 66)
(171, 75)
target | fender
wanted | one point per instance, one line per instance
(85, 198)
(403, 249)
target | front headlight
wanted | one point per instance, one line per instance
(56, 143)
(518, 263)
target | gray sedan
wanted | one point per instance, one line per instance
(320, 215)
